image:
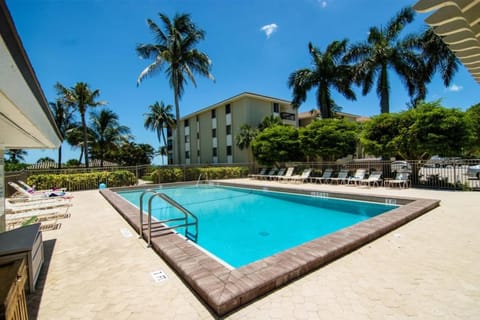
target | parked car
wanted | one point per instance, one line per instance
(442, 162)
(474, 171)
(401, 166)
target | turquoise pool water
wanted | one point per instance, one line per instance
(240, 226)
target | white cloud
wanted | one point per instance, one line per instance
(269, 29)
(322, 3)
(454, 88)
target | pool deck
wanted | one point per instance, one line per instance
(97, 268)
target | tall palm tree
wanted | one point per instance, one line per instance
(81, 97)
(434, 56)
(74, 137)
(159, 117)
(245, 137)
(175, 50)
(381, 52)
(16, 155)
(327, 71)
(107, 132)
(64, 119)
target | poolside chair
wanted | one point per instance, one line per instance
(301, 178)
(374, 179)
(270, 173)
(358, 176)
(262, 172)
(342, 177)
(401, 180)
(22, 193)
(287, 175)
(32, 188)
(327, 174)
(280, 173)
(17, 207)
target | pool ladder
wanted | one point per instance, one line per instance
(186, 214)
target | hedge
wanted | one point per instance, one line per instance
(82, 181)
(163, 175)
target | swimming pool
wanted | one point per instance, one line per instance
(225, 289)
(240, 226)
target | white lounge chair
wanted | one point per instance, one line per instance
(16, 206)
(326, 176)
(401, 180)
(374, 179)
(342, 177)
(301, 178)
(287, 175)
(32, 195)
(32, 188)
(358, 176)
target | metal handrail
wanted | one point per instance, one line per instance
(140, 232)
(179, 207)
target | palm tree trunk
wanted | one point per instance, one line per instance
(60, 157)
(384, 91)
(177, 130)
(85, 139)
(325, 107)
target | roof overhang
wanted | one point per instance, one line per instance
(25, 118)
(458, 23)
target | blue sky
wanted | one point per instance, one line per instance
(254, 45)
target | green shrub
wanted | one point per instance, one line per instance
(165, 175)
(82, 181)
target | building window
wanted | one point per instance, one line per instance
(227, 109)
(187, 154)
(185, 123)
(276, 107)
(187, 139)
(229, 129)
(214, 114)
(214, 152)
(214, 133)
(198, 153)
(196, 118)
(229, 150)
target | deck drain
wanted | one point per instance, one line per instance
(264, 233)
(159, 276)
(126, 233)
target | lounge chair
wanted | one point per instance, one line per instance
(262, 172)
(270, 173)
(38, 195)
(280, 173)
(32, 188)
(17, 207)
(374, 179)
(401, 180)
(342, 177)
(301, 178)
(326, 176)
(287, 175)
(358, 176)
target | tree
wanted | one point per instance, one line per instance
(473, 114)
(327, 72)
(175, 50)
(74, 137)
(81, 97)
(270, 121)
(107, 133)
(45, 159)
(277, 144)
(245, 137)
(131, 154)
(159, 117)
(16, 155)
(381, 52)
(419, 133)
(64, 119)
(330, 139)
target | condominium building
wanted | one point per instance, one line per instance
(208, 135)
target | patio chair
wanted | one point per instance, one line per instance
(326, 176)
(374, 179)
(32, 188)
(287, 175)
(270, 173)
(401, 180)
(22, 193)
(359, 175)
(280, 173)
(301, 178)
(17, 207)
(262, 172)
(342, 177)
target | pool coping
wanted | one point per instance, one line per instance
(224, 290)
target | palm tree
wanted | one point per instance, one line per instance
(16, 155)
(327, 71)
(381, 52)
(81, 97)
(74, 137)
(162, 152)
(64, 119)
(269, 121)
(159, 117)
(245, 137)
(434, 56)
(108, 134)
(175, 49)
